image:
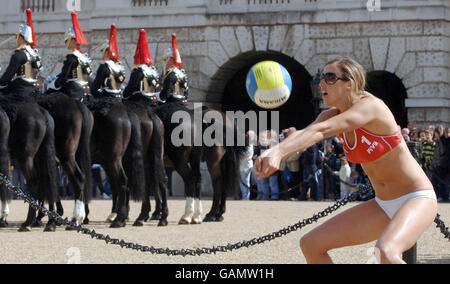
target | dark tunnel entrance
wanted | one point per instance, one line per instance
(390, 89)
(299, 111)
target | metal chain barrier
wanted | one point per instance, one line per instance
(199, 251)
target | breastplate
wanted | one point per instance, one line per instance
(116, 77)
(82, 72)
(181, 86)
(150, 82)
(30, 70)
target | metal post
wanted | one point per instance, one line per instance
(410, 256)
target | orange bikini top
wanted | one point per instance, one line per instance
(370, 146)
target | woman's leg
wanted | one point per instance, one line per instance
(358, 225)
(406, 227)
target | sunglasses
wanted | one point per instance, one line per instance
(330, 78)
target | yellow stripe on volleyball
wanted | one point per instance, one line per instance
(268, 75)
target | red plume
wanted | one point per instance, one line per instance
(80, 39)
(176, 53)
(30, 23)
(142, 54)
(113, 47)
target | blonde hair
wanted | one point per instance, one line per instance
(352, 71)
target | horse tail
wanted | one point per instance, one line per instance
(230, 163)
(83, 154)
(133, 160)
(46, 163)
(4, 156)
(229, 167)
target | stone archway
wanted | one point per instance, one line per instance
(388, 87)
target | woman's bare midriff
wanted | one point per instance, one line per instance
(396, 174)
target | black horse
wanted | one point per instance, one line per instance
(31, 145)
(5, 195)
(222, 160)
(73, 127)
(153, 148)
(117, 136)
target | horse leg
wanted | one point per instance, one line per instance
(222, 205)
(59, 210)
(163, 191)
(51, 225)
(190, 172)
(215, 174)
(198, 208)
(26, 165)
(114, 209)
(4, 214)
(118, 180)
(38, 222)
(86, 220)
(164, 208)
(186, 174)
(145, 211)
(76, 176)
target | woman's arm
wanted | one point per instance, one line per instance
(328, 123)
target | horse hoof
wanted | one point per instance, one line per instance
(86, 221)
(138, 223)
(36, 224)
(209, 219)
(143, 218)
(184, 222)
(163, 223)
(111, 218)
(196, 221)
(25, 229)
(3, 224)
(219, 219)
(117, 224)
(50, 228)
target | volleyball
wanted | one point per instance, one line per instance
(269, 84)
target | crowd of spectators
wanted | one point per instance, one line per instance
(322, 172)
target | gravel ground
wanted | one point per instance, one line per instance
(244, 220)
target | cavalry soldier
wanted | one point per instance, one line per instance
(21, 75)
(75, 75)
(110, 74)
(174, 82)
(144, 78)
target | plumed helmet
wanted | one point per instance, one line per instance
(27, 30)
(113, 52)
(176, 53)
(172, 52)
(142, 54)
(75, 31)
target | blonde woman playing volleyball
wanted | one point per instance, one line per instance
(405, 203)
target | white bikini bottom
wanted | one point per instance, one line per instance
(390, 207)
